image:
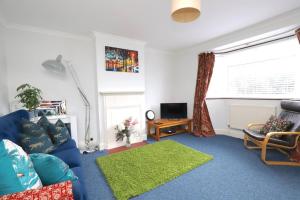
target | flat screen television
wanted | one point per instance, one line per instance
(173, 110)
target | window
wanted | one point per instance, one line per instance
(268, 71)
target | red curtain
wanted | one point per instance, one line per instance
(298, 34)
(295, 155)
(202, 125)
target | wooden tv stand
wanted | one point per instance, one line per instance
(165, 123)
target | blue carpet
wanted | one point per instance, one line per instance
(235, 173)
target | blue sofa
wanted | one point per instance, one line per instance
(10, 128)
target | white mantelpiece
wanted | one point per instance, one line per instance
(118, 106)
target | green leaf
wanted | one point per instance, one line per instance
(29, 96)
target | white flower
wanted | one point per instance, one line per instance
(121, 126)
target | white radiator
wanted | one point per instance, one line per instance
(241, 115)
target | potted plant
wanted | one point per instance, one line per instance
(125, 130)
(29, 96)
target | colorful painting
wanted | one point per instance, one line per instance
(121, 60)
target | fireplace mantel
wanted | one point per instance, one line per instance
(116, 106)
(112, 92)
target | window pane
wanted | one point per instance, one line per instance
(269, 71)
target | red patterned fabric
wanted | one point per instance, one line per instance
(202, 125)
(59, 191)
(298, 34)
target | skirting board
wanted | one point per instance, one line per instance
(227, 132)
(230, 132)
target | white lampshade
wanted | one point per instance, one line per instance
(185, 10)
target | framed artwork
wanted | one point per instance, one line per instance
(121, 60)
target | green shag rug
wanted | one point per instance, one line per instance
(133, 172)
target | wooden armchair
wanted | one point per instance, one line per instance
(288, 140)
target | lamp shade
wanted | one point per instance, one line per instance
(185, 10)
(55, 65)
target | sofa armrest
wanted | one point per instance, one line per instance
(59, 191)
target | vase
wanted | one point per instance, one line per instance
(128, 144)
(33, 114)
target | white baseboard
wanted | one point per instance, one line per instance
(230, 132)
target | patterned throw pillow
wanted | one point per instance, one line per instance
(275, 124)
(62, 133)
(34, 138)
(50, 128)
(16, 169)
(58, 133)
(51, 192)
(57, 170)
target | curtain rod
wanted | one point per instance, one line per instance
(254, 45)
(238, 48)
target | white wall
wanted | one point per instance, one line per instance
(119, 81)
(159, 79)
(219, 112)
(27, 49)
(187, 64)
(4, 105)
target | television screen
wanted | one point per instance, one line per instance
(173, 110)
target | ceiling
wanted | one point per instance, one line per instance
(146, 20)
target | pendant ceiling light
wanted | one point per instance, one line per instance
(185, 10)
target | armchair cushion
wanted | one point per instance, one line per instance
(260, 137)
(275, 124)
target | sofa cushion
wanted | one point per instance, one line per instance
(69, 144)
(34, 138)
(69, 156)
(57, 170)
(17, 172)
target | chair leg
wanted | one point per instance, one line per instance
(246, 139)
(281, 163)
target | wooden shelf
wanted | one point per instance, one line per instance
(164, 123)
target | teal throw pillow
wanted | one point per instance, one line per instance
(34, 138)
(51, 169)
(17, 172)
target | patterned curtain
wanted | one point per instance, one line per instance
(295, 154)
(202, 125)
(298, 34)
